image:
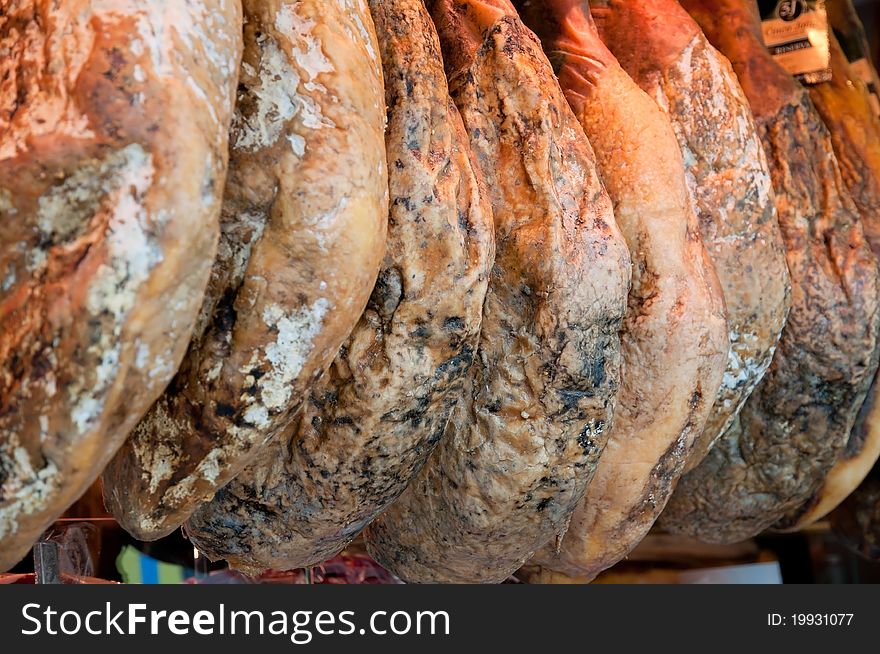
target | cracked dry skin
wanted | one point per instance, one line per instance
(522, 444)
(113, 122)
(303, 235)
(856, 522)
(845, 108)
(798, 420)
(728, 177)
(373, 420)
(674, 340)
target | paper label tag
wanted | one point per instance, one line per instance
(796, 34)
(851, 44)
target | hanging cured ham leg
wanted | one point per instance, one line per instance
(846, 109)
(663, 50)
(113, 124)
(797, 422)
(521, 447)
(674, 340)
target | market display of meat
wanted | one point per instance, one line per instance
(384, 291)
(113, 122)
(797, 422)
(303, 234)
(662, 48)
(845, 107)
(524, 441)
(674, 340)
(370, 424)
